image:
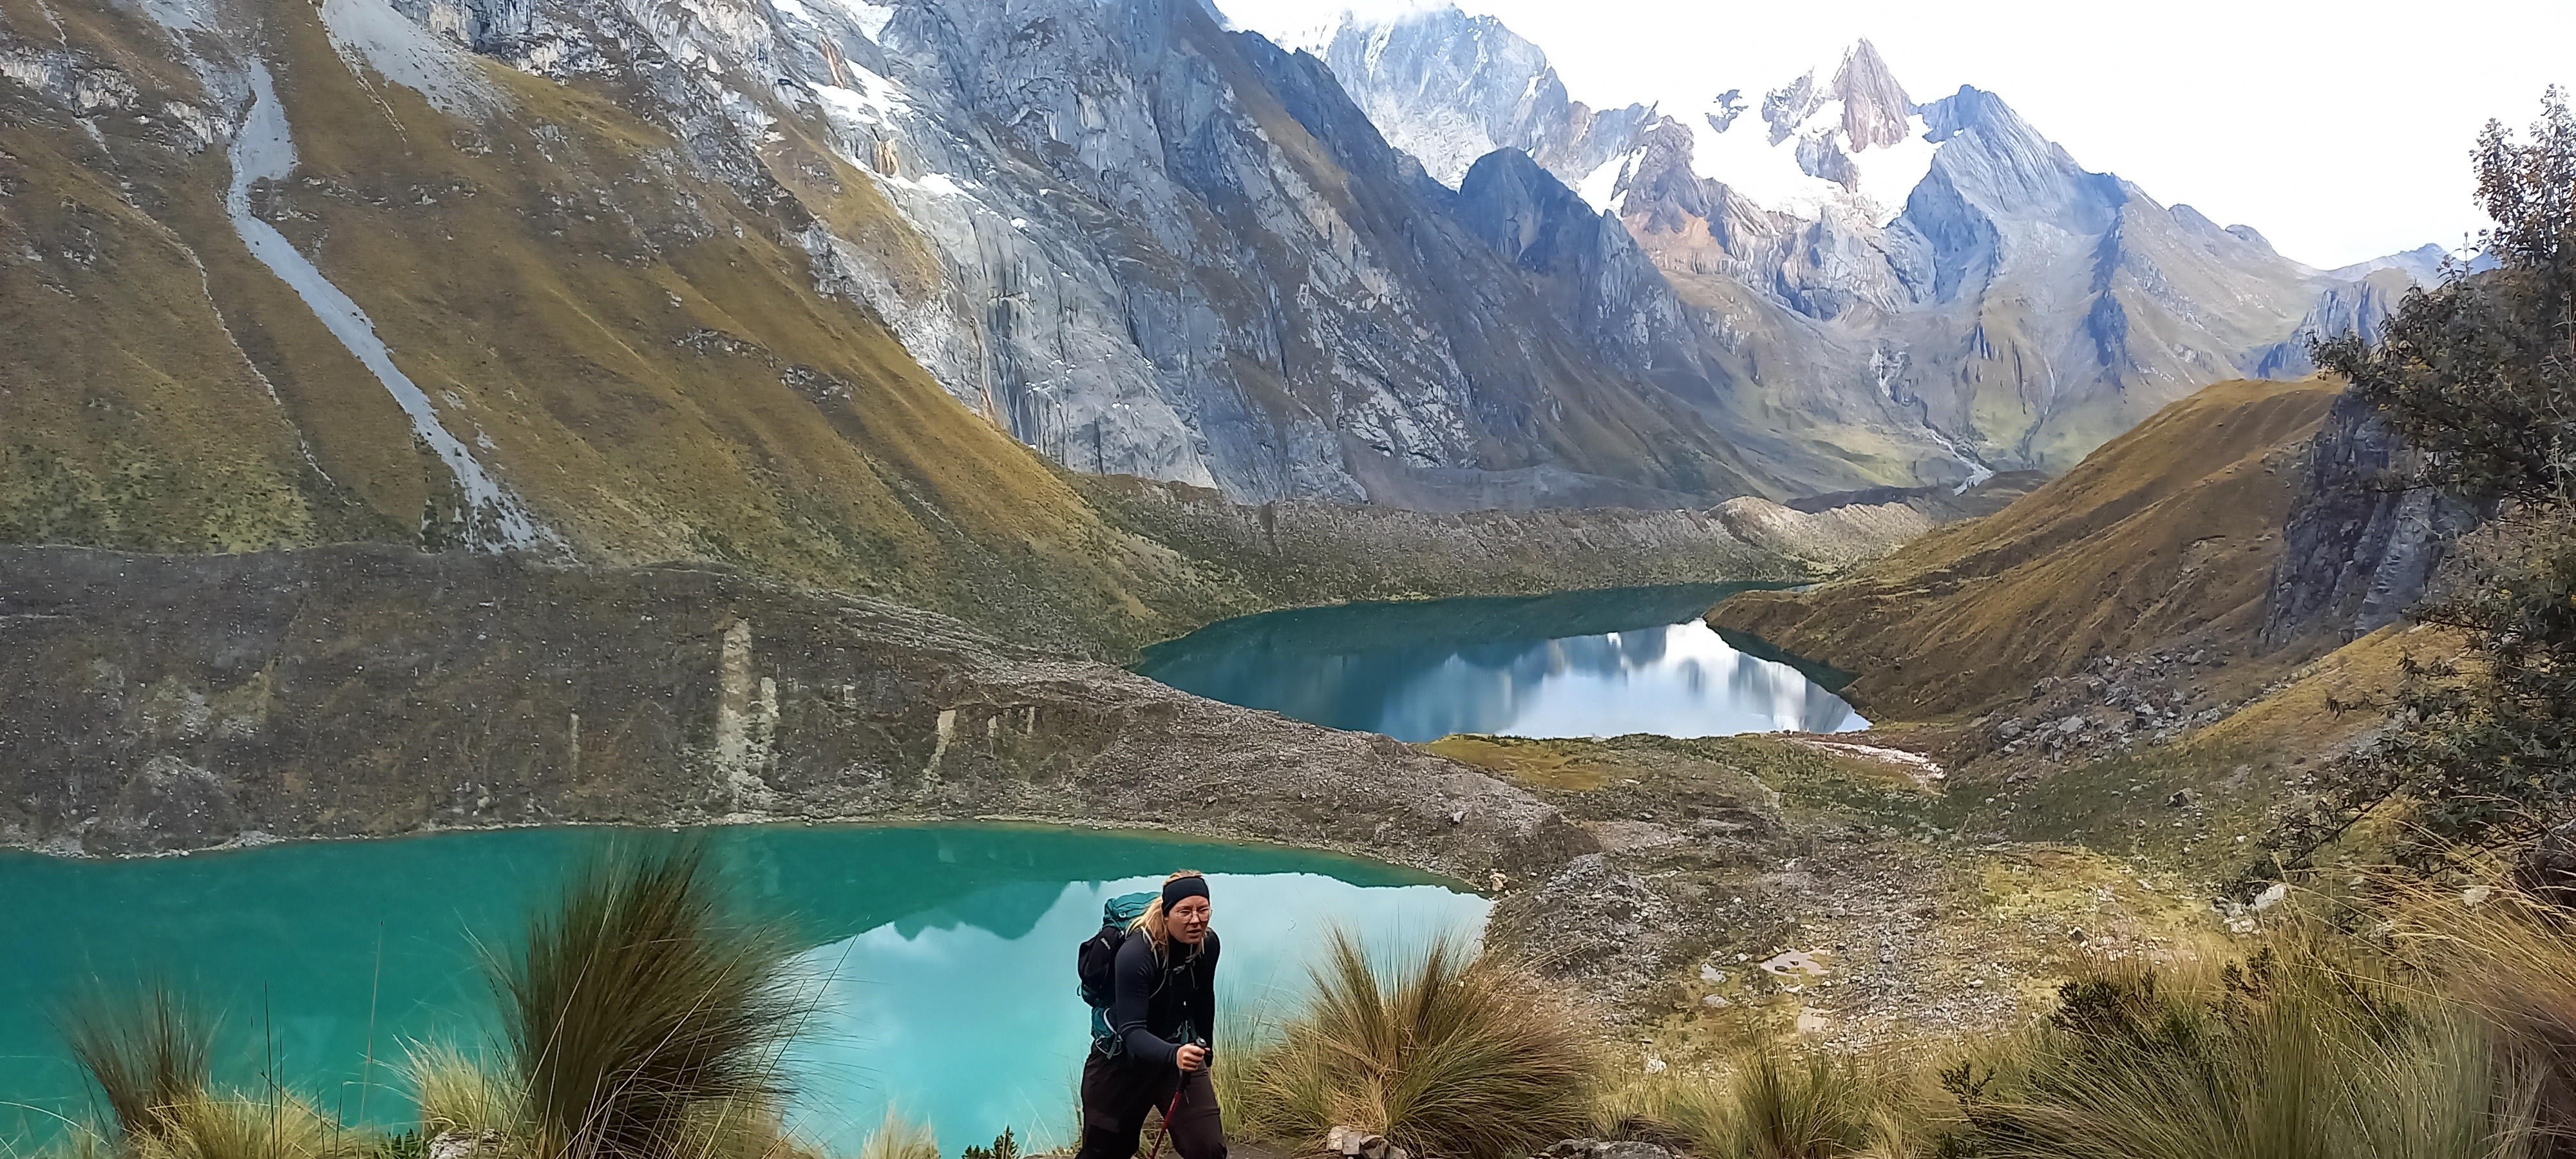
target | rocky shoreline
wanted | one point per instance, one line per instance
(177, 704)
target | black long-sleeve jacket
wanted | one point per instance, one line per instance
(1155, 1008)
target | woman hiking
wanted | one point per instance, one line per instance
(1162, 1008)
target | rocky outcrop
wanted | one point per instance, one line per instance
(1587, 267)
(165, 703)
(2365, 536)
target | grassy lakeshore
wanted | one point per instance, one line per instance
(642, 1017)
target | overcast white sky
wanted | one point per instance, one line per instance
(2340, 130)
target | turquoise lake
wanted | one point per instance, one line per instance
(1571, 664)
(943, 954)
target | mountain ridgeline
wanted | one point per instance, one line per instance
(1919, 291)
(803, 284)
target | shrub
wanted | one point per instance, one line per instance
(2474, 372)
(1005, 1146)
(1448, 1055)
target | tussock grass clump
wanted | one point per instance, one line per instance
(1448, 1054)
(1779, 1102)
(643, 1024)
(148, 1054)
(2512, 960)
(1803, 1106)
(2289, 1055)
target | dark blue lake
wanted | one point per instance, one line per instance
(1571, 664)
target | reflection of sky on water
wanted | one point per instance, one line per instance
(1575, 664)
(1678, 680)
(974, 1029)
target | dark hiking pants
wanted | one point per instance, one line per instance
(1116, 1093)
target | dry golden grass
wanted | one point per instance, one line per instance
(900, 1138)
(2297, 719)
(277, 1126)
(1539, 764)
(2310, 1052)
(459, 1092)
(147, 1053)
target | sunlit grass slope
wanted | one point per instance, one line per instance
(2167, 530)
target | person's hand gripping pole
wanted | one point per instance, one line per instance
(1175, 1108)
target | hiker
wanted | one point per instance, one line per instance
(1151, 1025)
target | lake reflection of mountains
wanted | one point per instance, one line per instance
(1422, 671)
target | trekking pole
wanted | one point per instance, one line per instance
(1174, 1109)
(1166, 1126)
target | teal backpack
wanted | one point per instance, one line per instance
(1096, 963)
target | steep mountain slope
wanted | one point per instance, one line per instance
(1862, 258)
(671, 279)
(1762, 373)
(286, 273)
(2166, 534)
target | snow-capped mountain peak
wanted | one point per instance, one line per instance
(1841, 139)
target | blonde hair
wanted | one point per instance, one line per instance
(1151, 921)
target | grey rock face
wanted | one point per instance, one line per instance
(2362, 544)
(1875, 107)
(1588, 1148)
(1196, 260)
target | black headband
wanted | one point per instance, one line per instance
(1181, 887)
